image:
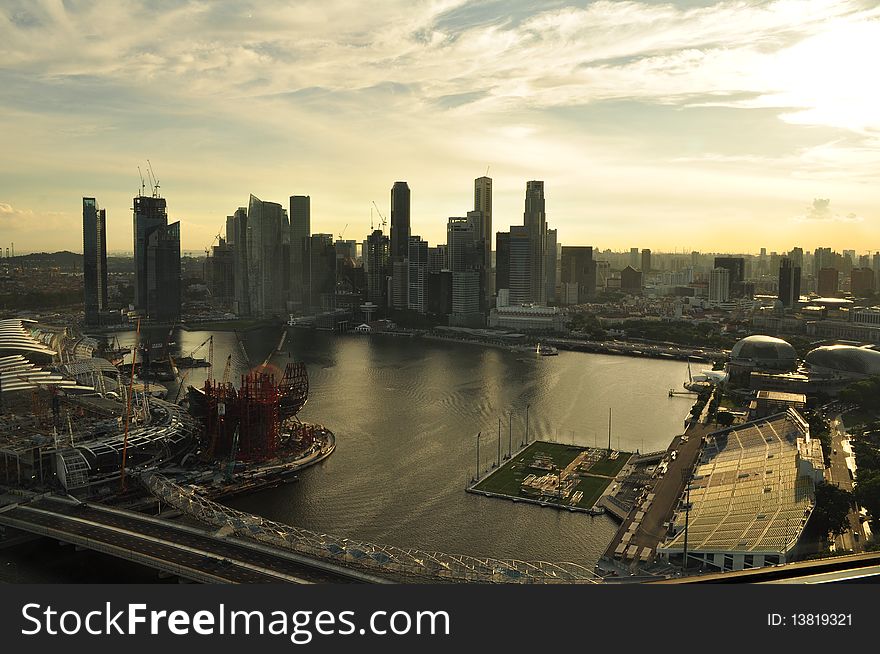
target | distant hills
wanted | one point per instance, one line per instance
(67, 261)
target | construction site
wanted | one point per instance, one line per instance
(75, 423)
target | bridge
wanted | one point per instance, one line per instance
(188, 552)
(239, 547)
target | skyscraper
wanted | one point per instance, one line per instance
(400, 220)
(578, 280)
(828, 282)
(400, 233)
(267, 224)
(163, 273)
(149, 212)
(483, 204)
(735, 267)
(94, 261)
(646, 263)
(502, 261)
(634, 258)
(376, 265)
(719, 285)
(550, 268)
(418, 273)
(535, 222)
(238, 222)
(519, 266)
(789, 283)
(300, 231)
(465, 252)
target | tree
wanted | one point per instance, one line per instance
(867, 494)
(724, 418)
(832, 509)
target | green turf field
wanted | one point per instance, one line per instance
(507, 479)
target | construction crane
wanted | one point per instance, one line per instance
(383, 222)
(154, 183)
(230, 467)
(227, 370)
(342, 233)
(143, 186)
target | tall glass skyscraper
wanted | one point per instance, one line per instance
(94, 261)
(150, 212)
(163, 273)
(300, 233)
(535, 221)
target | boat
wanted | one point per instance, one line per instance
(596, 510)
(546, 350)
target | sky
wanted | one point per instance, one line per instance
(716, 126)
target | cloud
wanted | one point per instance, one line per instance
(820, 211)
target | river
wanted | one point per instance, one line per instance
(406, 414)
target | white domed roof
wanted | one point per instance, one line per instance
(766, 350)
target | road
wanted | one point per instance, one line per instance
(838, 473)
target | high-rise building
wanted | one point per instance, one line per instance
(827, 282)
(875, 265)
(400, 219)
(162, 267)
(238, 236)
(719, 285)
(418, 273)
(550, 266)
(735, 267)
(483, 204)
(789, 283)
(267, 226)
(400, 233)
(519, 266)
(535, 221)
(94, 261)
(822, 258)
(439, 293)
(300, 233)
(861, 282)
(578, 274)
(220, 274)
(322, 271)
(646, 263)
(149, 213)
(437, 259)
(376, 266)
(502, 261)
(465, 252)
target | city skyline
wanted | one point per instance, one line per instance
(713, 126)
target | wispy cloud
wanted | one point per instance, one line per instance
(820, 211)
(280, 97)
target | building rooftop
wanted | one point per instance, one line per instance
(750, 492)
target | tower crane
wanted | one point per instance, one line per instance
(383, 222)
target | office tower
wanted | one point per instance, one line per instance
(465, 252)
(322, 271)
(502, 261)
(578, 278)
(822, 258)
(550, 266)
(221, 274)
(603, 274)
(417, 256)
(719, 285)
(400, 232)
(519, 266)
(535, 222)
(300, 233)
(241, 304)
(94, 261)
(634, 262)
(735, 267)
(864, 261)
(797, 257)
(267, 223)
(162, 267)
(346, 250)
(376, 266)
(646, 263)
(827, 282)
(400, 219)
(483, 204)
(631, 280)
(439, 293)
(861, 282)
(149, 213)
(789, 283)
(437, 259)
